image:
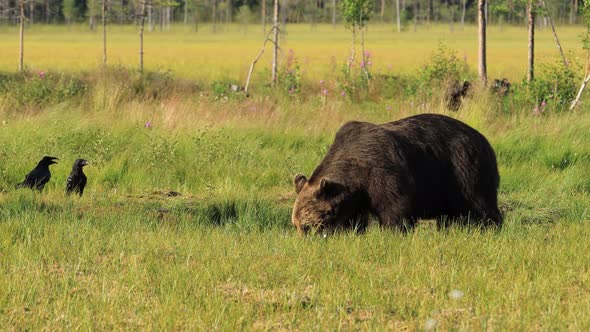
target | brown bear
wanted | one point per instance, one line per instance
(425, 166)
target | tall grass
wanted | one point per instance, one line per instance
(133, 254)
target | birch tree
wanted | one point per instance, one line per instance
(481, 19)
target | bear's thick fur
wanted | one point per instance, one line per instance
(424, 166)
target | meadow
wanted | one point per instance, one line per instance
(132, 254)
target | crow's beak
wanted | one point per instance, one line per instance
(85, 163)
(53, 160)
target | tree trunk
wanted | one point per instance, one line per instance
(482, 65)
(213, 15)
(150, 18)
(548, 17)
(47, 12)
(334, 13)
(275, 48)
(141, 25)
(398, 16)
(228, 12)
(463, 14)
(185, 19)
(415, 15)
(451, 16)
(104, 32)
(21, 35)
(382, 10)
(31, 12)
(263, 14)
(91, 23)
(531, 25)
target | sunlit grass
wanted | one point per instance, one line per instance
(319, 50)
(222, 254)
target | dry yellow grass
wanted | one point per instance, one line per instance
(319, 50)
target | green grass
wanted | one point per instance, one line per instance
(223, 254)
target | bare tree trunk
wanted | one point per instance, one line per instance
(31, 12)
(247, 86)
(452, 16)
(482, 65)
(415, 15)
(161, 17)
(228, 12)
(168, 17)
(463, 14)
(548, 16)
(104, 32)
(141, 25)
(334, 13)
(275, 49)
(150, 18)
(185, 20)
(263, 14)
(47, 12)
(531, 25)
(21, 35)
(575, 11)
(398, 16)
(382, 10)
(213, 15)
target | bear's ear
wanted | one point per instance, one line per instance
(300, 180)
(330, 187)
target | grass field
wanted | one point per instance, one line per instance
(228, 54)
(223, 255)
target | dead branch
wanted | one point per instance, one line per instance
(266, 40)
(542, 3)
(579, 95)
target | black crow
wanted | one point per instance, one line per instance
(40, 175)
(77, 179)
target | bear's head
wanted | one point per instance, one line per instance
(322, 204)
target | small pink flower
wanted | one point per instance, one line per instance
(362, 64)
(324, 92)
(253, 108)
(343, 93)
(367, 54)
(388, 107)
(369, 63)
(543, 104)
(389, 66)
(41, 74)
(147, 124)
(321, 82)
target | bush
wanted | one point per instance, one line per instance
(555, 86)
(443, 66)
(41, 88)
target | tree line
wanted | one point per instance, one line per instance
(161, 13)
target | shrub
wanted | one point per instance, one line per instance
(555, 85)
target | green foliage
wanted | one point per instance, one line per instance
(291, 75)
(356, 13)
(585, 10)
(224, 89)
(32, 89)
(69, 10)
(554, 86)
(443, 66)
